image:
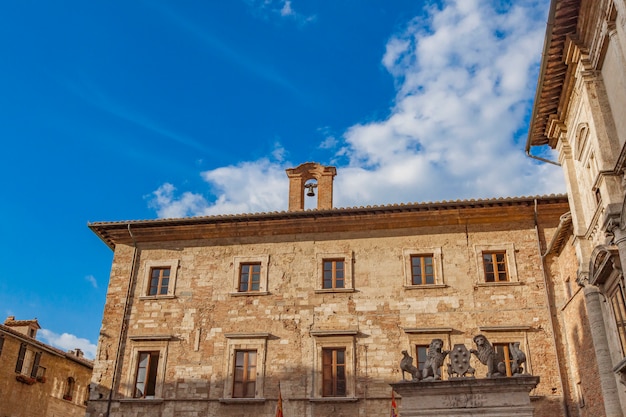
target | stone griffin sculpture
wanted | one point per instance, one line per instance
(486, 355)
(434, 360)
(406, 365)
(519, 358)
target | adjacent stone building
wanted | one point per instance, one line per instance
(37, 379)
(208, 315)
(579, 111)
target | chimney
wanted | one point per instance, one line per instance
(322, 181)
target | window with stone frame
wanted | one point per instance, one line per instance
(244, 374)
(334, 272)
(70, 384)
(245, 367)
(250, 277)
(1, 343)
(334, 365)
(618, 304)
(146, 374)
(422, 269)
(334, 372)
(159, 280)
(27, 361)
(334, 276)
(495, 266)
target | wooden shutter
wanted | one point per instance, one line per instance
(33, 372)
(20, 358)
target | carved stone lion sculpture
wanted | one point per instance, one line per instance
(486, 354)
(434, 360)
(406, 365)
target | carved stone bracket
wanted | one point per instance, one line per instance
(582, 278)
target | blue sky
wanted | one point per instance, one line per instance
(116, 110)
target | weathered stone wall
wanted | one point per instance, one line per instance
(204, 310)
(45, 397)
(582, 379)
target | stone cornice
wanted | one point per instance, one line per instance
(383, 218)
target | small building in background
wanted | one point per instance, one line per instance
(37, 379)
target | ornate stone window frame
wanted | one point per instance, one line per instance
(509, 250)
(345, 339)
(581, 145)
(348, 261)
(173, 264)
(245, 341)
(436, 253)
(264, 261)
(156, 343)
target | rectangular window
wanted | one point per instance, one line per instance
(619, 312)
(495, 266)
(333, 274)
(27, 361)
(334, 372)
(244, 384)
(422, 355)
(1, 343)
(422, 270)
(503, 355)
(249, 277)
(146, 375)
(159, 281)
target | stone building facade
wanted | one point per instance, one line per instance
(37, 379)
(579, 111)
(208, 315)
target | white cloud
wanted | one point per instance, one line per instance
(286, 10)
(67, 342)
(92, 280)
(282, 8)
(465, 74)
(169, 206)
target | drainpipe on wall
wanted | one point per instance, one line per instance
(552, 317)
(124, 326)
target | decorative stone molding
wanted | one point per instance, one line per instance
(620, 369)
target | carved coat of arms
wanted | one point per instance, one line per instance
(459, 365)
